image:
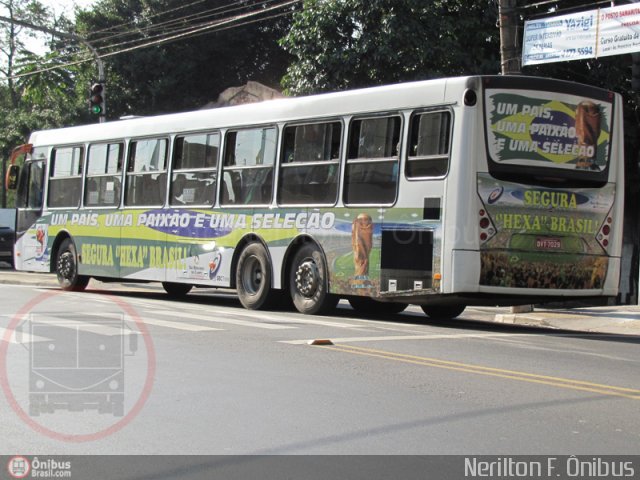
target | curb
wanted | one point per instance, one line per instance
(521, 319)
(620, 322)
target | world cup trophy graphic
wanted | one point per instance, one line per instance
(587, 132)
(362, 241)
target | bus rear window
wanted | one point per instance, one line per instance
(550, 134)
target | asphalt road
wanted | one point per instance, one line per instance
(205, 376)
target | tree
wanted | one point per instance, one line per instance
(12, 38)
(357, 43)
(187, 72)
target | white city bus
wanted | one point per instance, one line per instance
(441, 193)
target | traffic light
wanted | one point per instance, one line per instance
(96, 99)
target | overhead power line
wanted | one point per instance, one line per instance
(208, 27)
(178, 28)
(183, 21)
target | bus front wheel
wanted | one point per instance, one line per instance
(308, 282)
(67, 268)
(444, 312)
(253, 277)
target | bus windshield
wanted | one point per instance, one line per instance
(558, 135)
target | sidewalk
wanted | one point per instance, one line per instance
(619, 320)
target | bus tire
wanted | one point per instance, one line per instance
(253, 277)
(176, 290)
(370, 306)
(308, 282)
(67, 268)
(443, 312)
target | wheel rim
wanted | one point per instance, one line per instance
(252, 275)
(307, 278)
(66, 266)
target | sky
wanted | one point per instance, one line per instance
(67, 6)
(57, 7)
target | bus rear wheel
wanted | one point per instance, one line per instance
(67, 268)
(176, 290)
(253, 277)
(368, 305)
(443, 312)
(308, 282)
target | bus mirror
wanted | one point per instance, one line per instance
(12, 177)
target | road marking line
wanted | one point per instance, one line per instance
(189, 327)
(407, 337)
(231, 321)
(559, 382)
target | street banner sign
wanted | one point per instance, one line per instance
(577, 36)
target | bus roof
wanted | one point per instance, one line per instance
(388, 97)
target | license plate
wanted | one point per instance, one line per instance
(548, 243)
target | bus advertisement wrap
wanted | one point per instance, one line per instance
(534, 128)
(197, 246)
(544, 238)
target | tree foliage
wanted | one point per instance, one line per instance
(187, 72)
(356, 43)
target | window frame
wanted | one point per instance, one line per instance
(215, 168)
(372, 160)
(239, 168)
(407, 156)
(282, 165)
(78, 176)
(119, 173)
(128, 174)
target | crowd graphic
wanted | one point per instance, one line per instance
(509, 270)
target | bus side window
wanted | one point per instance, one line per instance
(249, 157)
(193, 178)
(65, 181)
(104, 175)
(371, 175)
(146, 172)
(429, 145)
(310, 161)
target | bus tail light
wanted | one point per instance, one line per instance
(486, 227)
(605, 232)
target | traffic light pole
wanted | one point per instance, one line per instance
(101, 78)
(70, 36)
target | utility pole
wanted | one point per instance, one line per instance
(510, 65)
(70, 36)
(508, 20)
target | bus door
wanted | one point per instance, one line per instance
(145, 221)
(31, 239)
(100, 247)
